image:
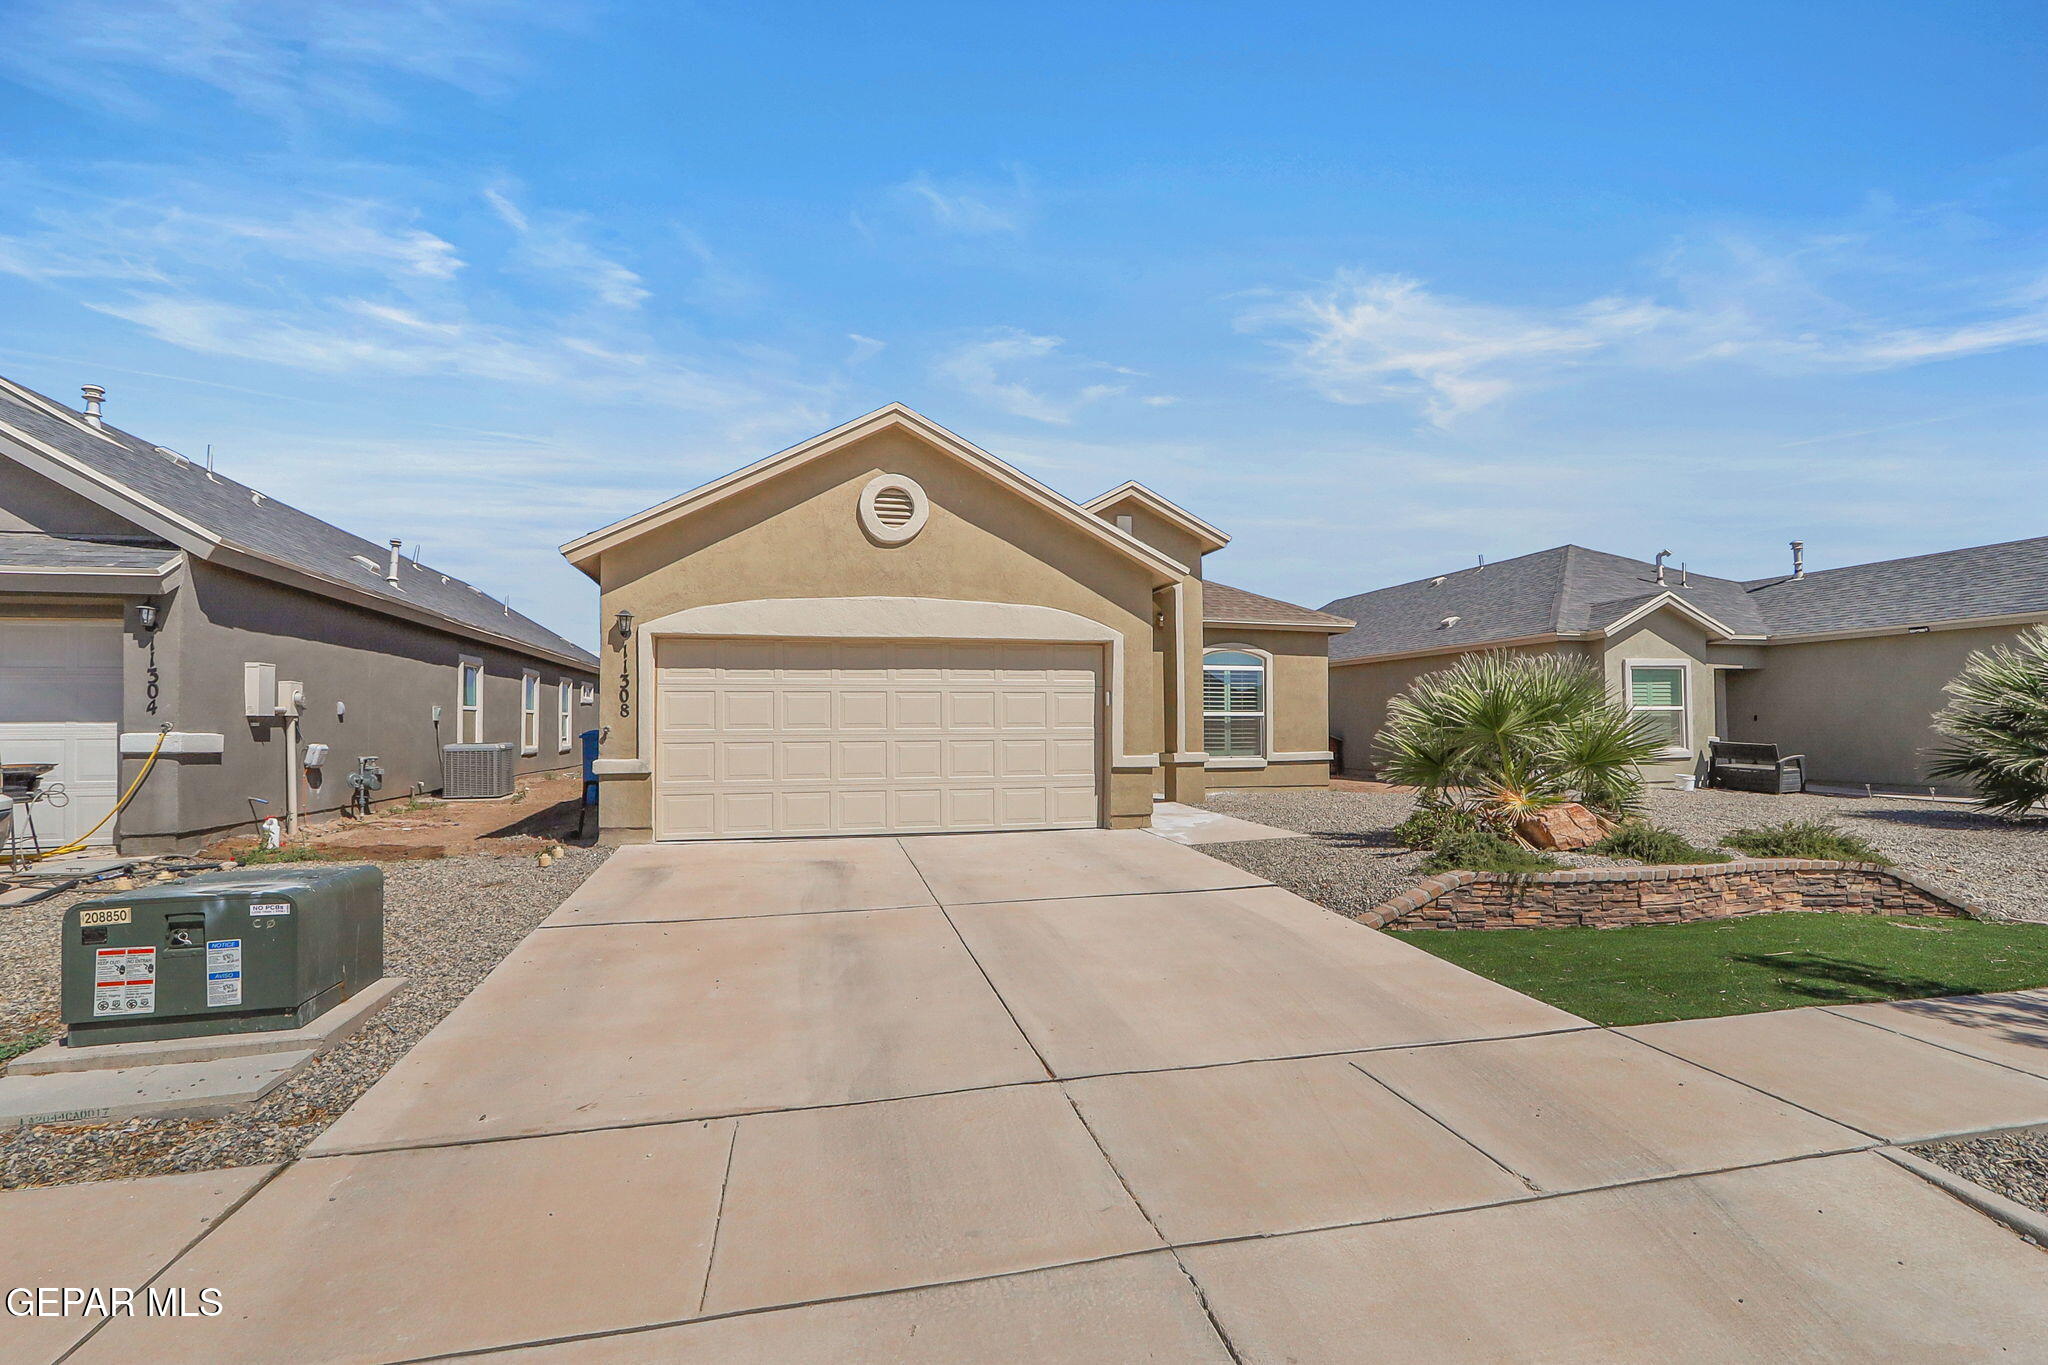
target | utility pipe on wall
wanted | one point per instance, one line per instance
(291, 773)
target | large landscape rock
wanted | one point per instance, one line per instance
(1562, 828)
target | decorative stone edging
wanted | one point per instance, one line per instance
(1609, 897)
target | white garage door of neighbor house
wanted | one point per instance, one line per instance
(756, 738)
(60, 702)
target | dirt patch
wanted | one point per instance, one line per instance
(542, 813)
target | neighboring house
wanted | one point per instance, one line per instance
(885, 629)
(135, 587)
(1843, 665)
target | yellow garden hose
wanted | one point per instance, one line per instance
(76, 844)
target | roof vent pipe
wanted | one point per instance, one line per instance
(1684, 577)
(94, 396)
(1662, 555)
(1799, 559)
(391, 574)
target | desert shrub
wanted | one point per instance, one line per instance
(1645, 843)
(1803, 839)
(1508, 735)
(1430, 825)
(1482, 851)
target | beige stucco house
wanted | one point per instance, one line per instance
(1843, 665)
(885, 629)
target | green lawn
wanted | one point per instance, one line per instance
(1648, 974)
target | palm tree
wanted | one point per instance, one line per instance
(1506, 735)
(1996, 722)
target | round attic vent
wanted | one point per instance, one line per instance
(893, 508)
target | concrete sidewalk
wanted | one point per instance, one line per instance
(1077, 1096)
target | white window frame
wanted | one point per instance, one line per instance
(469, 720)
(1682, 749)
(565, 712)
(1264, 715)
(529, 711)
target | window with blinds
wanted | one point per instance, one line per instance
(1656, 692)
(1233, 704)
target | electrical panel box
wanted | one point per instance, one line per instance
(259, 691)
(291, 698)
(243, 951)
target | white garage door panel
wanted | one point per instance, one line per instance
(760, 738)
(60, 702)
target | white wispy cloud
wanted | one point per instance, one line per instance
(969, 208)
(1802, 308)
(1025, 375)
(557, 244)
(1380, 338)
(144, 236)
(353, 285)
(286, 61)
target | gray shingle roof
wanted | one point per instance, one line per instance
(1559, 591)
(2007, 579)
(269, 529)
(1224, 605)
(1573, 589)
(34, 550)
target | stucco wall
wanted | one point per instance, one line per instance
(1860, 710)
(1162, 535)
(1297, 705)
(30, 502)
(798, 535)
(389, 673)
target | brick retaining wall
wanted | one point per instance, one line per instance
(1609, 897)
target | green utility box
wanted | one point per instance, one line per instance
(242, 951)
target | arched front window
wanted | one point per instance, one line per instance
(1233, 704)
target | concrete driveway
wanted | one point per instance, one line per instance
(1075, 1096)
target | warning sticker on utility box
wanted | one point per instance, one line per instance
(124, 981)
(223, 972)
(270, 907)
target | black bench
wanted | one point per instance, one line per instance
(1755, 768)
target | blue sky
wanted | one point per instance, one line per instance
(1377, 289)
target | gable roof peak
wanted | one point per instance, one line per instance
(1131, 490)
(584, 551)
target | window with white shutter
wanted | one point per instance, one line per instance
(1233, 704)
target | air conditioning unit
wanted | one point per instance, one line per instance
(474, 772)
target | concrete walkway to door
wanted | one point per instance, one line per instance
(1081, 1096)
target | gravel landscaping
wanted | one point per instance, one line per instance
(1349, 862)
(2013, 1164)
(447, 923)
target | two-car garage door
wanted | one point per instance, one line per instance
(756, 738)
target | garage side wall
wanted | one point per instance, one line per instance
(798, 536)
(389, 674)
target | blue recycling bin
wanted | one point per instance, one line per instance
(591, 739)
